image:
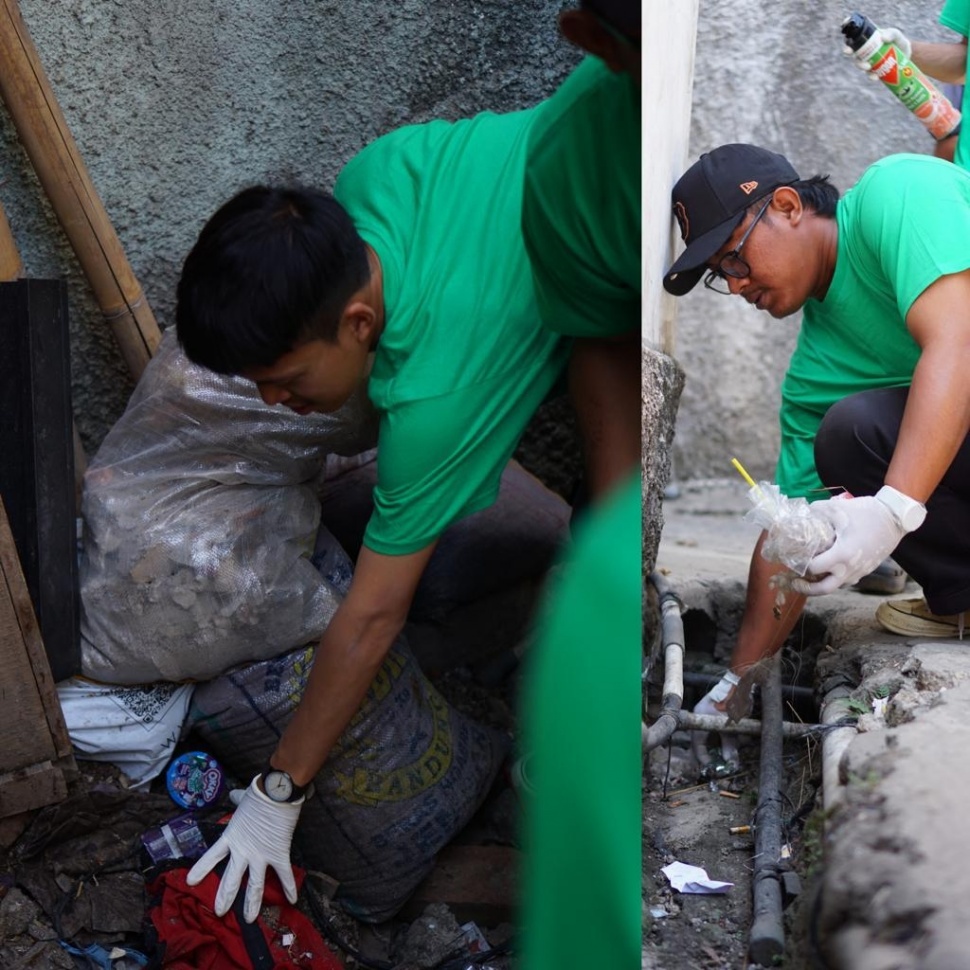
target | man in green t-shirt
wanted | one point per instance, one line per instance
(945, 61)
(581, 224)
(875, 400)
(414, 278)
(580, 712)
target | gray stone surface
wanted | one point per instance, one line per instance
(175, 106)
(662, 383)
(773, 74)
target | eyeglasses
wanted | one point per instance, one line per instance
(731, 264)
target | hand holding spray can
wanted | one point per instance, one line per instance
(894, 68)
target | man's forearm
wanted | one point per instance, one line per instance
(604, 383)
(945, 62)
(765, 625)
(348, 657)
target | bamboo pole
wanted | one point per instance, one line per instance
(55, 157)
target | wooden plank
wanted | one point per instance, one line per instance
(477, 882)
(13, 827)
(37, 443)
(32, 727)
(32, 787)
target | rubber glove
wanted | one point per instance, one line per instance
(866, 532)
(708, 705)
(258, 835)
(888, 35)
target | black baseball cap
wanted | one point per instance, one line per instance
(710, 200)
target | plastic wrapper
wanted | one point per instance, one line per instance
(795, 535)
(200, 518)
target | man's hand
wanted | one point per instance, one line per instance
(258, 835)
(887, 35)
(866, 532)
(715, 702)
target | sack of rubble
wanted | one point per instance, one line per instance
(403, 779)
(200, 517)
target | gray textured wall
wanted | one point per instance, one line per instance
(176, 105)
(773, 74)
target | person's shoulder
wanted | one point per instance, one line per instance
(593, 88)
(897, 180)
(956, 15)
(909, 168)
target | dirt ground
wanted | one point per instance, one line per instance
(690, 819)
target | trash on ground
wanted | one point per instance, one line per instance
(693, 879)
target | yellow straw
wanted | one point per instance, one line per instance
(743, 472)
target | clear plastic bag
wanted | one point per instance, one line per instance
(200, 516)
(795, 535)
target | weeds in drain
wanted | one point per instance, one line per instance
(866, 782)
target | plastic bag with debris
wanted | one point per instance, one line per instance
(795, 535)
(200, 517)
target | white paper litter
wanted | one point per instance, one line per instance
(693, 879)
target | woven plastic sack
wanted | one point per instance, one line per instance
(200, 517)
(403, 779)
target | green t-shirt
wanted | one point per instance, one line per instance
(902, 226)
(581, 204)
(581, 721)
(956, 16)
(463, 361)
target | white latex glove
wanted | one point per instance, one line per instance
(888, 35)
(720, 692)
(258, 835)
(866, 532)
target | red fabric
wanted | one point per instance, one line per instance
(196, 939)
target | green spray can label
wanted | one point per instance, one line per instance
(910, 85)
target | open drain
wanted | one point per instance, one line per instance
(757, 808)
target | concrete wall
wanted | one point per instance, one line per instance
(773, 74)
(176, 105)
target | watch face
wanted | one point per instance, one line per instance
(278, 785)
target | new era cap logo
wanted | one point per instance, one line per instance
(748, 187)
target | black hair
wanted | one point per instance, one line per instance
(272, 267)
(625, 15)
(818, 194)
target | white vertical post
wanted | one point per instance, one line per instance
(668, 74)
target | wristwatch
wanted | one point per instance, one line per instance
(280, 787)
(909, 513)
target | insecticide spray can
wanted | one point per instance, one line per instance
(901, 76)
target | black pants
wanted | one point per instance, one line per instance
(853, 448)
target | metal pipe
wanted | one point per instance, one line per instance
(835, 710)
(767, 939)
(672, 638)
(788, 691)
(720, 723)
